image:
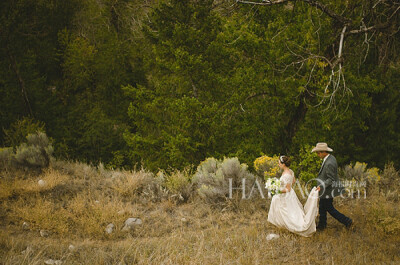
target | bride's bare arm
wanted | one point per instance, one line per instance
(287, 188)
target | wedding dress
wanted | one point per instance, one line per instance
(286, 211)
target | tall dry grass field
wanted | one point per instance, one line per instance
(78, 201)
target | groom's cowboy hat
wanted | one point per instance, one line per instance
(322, 147)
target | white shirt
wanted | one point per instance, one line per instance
(326, 157)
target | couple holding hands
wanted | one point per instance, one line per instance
(286, 211)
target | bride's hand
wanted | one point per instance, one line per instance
(318, 188)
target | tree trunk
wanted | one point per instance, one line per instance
(294, 123)
(20, 82)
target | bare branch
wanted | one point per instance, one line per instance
(373, 20)
(264, 2)
(314, 3)
(336, 79)
(329, 12)
(341, 42)
(364, 29)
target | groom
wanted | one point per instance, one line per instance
(328, 179)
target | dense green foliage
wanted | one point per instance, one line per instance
(168, 83)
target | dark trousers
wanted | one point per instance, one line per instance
(326, 205)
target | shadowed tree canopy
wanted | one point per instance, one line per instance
(167, 83)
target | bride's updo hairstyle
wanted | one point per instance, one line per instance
(285, 160)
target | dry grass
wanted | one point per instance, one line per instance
(76, 209)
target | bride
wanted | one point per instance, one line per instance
(286, 211)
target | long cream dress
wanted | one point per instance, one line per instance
(286, 211)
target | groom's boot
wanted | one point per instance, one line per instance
(350, 225)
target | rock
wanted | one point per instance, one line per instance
(71, 248)
(53, 262)
(27, 250)
(97, 202)
(42, 183)
(183, 219)
(44, 233)
(272, 236)
(130, 223)
(25, 226)
(110, 228)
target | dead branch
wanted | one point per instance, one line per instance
(264, 2)
(373, 20)
(314, 3)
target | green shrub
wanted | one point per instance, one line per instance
(18, 131)
(368, 177)
(358, 172)
(117, 161)
(390, 182)
(212, 178)
(178, 184)
(36, 153)
(209, 180)
(306, 165)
